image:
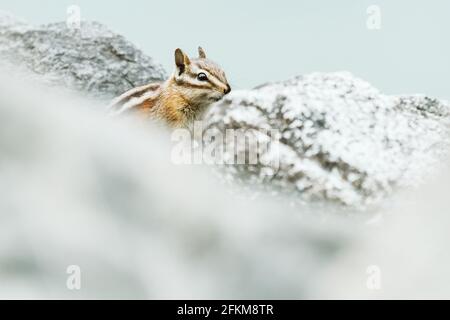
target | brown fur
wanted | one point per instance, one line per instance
(181, 99)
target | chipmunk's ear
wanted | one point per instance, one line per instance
(181, 60)
(201, 53)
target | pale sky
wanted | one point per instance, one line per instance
(261, 41)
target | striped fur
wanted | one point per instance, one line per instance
(181, 99)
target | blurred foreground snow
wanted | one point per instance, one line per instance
(77, 188)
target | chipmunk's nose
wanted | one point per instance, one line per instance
(228, 89)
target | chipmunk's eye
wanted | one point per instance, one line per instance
(202, 77)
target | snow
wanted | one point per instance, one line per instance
(342, 140)
(80, 188)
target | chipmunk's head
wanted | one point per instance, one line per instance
(200, 79)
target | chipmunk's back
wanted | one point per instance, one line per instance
(183, 98)
(144, 98)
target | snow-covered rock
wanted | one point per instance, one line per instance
(339, 138)
(92, 59)
(80, 190)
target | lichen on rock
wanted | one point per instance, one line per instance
(340, 138)
(92, 59)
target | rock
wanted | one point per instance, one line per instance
(78, 188)
(92, 59)
(340, 139)
(84, 190)
(81, 189)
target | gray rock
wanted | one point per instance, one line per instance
(339, 138)
(92, 59)
(79, 188)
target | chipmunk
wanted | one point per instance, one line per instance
(183, 98)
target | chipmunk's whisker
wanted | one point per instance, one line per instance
(183, 98)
